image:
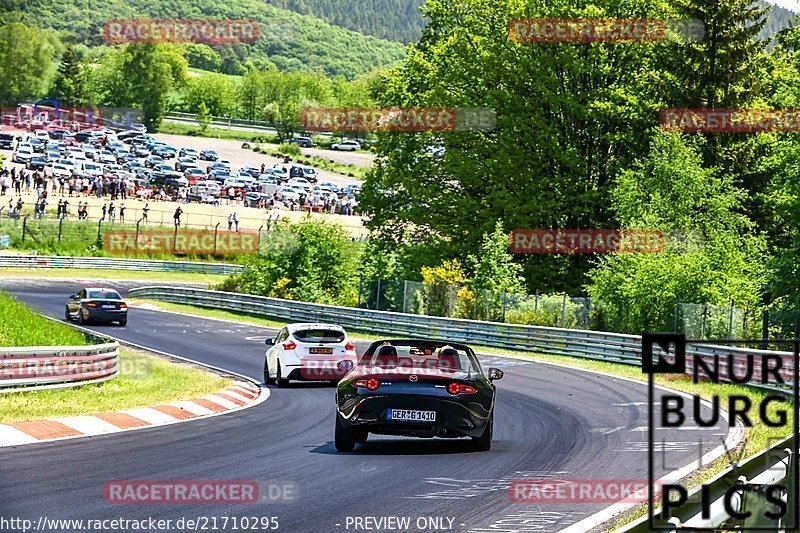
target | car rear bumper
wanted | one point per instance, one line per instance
(107, 315)
(454, 417)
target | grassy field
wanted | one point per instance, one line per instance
(144, 380)
(20, 326)
(89, 273)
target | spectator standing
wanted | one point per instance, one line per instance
(145, 211)
(112, 212)
(105, 210)
(236, 221)
(177, 216)
(230, 222)
(122, 213)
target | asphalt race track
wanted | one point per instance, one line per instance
(550, 423)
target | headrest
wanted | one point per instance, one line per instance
(386, 356)
(448, 359)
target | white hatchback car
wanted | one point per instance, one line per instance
(308, 352)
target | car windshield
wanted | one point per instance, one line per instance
(327, 335)
(103, 294)
(420, 356)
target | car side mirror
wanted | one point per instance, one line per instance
(495, 373)
(269, 342)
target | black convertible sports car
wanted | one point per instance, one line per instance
(417, 388)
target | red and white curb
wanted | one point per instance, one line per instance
(239, 395)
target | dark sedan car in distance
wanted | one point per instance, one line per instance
(416, 388)
(96, 304)
(208, 155)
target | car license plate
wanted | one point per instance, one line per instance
(316, 351)
(109, 307)
(407, 415)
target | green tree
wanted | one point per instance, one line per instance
(319, 259)
(25, 59)
(711, 254)
(203, 116)
(216, 91)
(569, 117)
(153, 71)
(68, 87)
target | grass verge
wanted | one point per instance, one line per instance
(90, 273)
(144, 380)
(20, 326)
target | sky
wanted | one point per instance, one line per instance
(793, 5)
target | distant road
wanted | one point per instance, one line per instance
(359, 159)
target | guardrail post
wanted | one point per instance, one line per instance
(216, 228)
(60, 224)
(1, 212)
(99, 227)
(258, 241)
(378, 296)
(564, 310)
(24, 227)
(175, 239)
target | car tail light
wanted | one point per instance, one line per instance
(91, 304)
(289, 345)
(123, 306)
(455, 388)
(349, 346)
(371, 383)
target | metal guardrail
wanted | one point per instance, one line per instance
(48, 367)
(586, 344)
(110, 263)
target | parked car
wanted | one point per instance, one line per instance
(37, 162)
(302, 142)
(193, 174)
(188, 152)
(252, 199)
(23, 154)
(303, 172)
(7, 141)
(208, 155)
(152, 160)
(166, 152)
(185, 163)
(288, 193)
(347, 145)
(105, 156)
(60, 171)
